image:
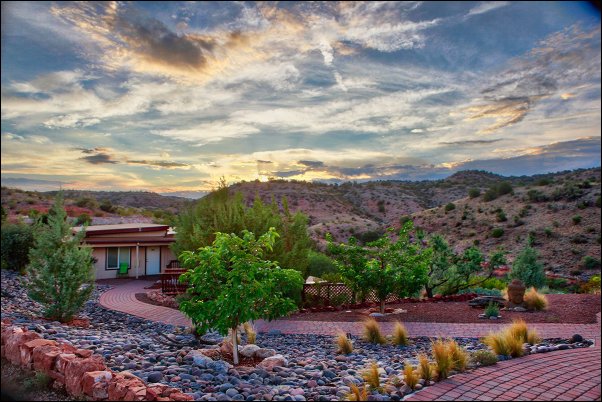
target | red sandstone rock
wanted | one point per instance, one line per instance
(83, 353)
(135, 393)
(13, 342)
(75, 370)
(92, 378)
(154, 391)
(28, 347)
(62, 360)
(178, 396)
(120, 386)
(168, 391)
(44, 357)
(100, 390)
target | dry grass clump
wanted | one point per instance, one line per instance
(443, 358)
(357, 394)
(251, 333)
(459, 355)
(371, 376)
(498, 342)
(519, 330)
(400, 335)
(533, 337)
(535, 300)
(427, 369)
(509, 342)
(372, 332)
(410, 377)
(343, 343)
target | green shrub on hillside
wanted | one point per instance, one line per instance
(450, 207)
(497, 233)
(16, 242)
(590, 262)
(474, 192)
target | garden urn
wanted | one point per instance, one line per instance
(516, 292)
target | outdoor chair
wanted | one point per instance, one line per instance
(123, 270)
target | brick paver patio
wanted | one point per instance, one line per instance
(561, 375)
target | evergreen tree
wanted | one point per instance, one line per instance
(60, 269)
(527, 269)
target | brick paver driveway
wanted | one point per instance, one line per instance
(561, 375)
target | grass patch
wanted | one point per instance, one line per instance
(400, 335)
(427, 369)
(251, 333)
(535, 300)
(443, 358)
(343, 343)
(372, 332)
(371, 376)
(410, 376)
(459, 355)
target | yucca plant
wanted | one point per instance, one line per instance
(459, 355)
(357, 394)
(400, 335)
(426, 367)
(535, 300)
(372, 332)
(410, 377)
(343, 343)
(443, 358)
(371, 376)
(251, 333)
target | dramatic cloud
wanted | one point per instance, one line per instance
(487, 6)
(163, 164)
(99, 159)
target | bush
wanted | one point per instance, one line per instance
(481, 291)
(483, 358)
(543, 182)
(15, 244)
(400, 335)
(107, 206)
(577, 219)
(426, 367)
(590, 262)
(528, 269)
(404, 219)
(450, 207)
(319, 264)
(501, 216)
(548, 232)
(87, 202)
(492, 310)
(592, 285)
(372, 332)
(537, 196)
(443, 358)
(490, 195)
(569, 192)
(474, 192)
(497, 233)
(343, 343)
(535, 301)
(83, 219)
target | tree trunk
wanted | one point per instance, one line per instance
(235, 346)
(382, 306)
(429, 292)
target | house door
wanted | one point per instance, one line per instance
(153, 260)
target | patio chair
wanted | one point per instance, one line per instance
(123, 270)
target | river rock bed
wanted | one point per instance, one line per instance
(313, 371)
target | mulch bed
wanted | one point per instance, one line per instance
(569, 308)
(242, 361)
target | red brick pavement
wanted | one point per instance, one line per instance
(561, 376)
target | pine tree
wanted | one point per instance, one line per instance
(527, 269)
(60, 270)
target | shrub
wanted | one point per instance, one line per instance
(61, 272)
(497, 233)
(568, 191)
(426, 367)
(319, 264)
(372, 332)
(15, 242)
(404, 219)
(592, 285)
(535, 300)
(343, 343)
(39, 381)
(482, 358)
(492, 310)
(87, 202)
(450, 207)
(410, 377)
(590, 262)
(443, 358)
(501, 216)
(83, 219)
(474, 192)
(548, 232)
(107, 206)
(528, 269)
(537, 196)
(458, 354)
(490, 195)
(400, 335)
(543, 182)
(577, 219)
(599, 202)
(371, 376)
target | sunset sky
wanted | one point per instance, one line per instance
(169, 97)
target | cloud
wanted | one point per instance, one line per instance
(566, 58)
(471, 142)
(163, 164)
(32, 184)
(487, 6)
(311, 164)
(99, 159)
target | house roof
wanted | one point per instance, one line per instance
(122, 228)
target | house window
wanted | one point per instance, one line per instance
(117, 256)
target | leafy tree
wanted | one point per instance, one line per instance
(16, 242)
(232, 282)
(223, 212)
(442, 261)
(83, 219)
(383, 266)
(320, 264)
(528, 269)
(60, 270)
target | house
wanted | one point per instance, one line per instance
(144, 247)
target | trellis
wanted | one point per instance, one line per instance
(336, 294)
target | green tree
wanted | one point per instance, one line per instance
(527, 268)
(439, 267)
(383, 266)
(60, 269)
(320, 264)
(83, 219)
(232, 282)
(221, 211)
(474, 192)
(16, 242)
(4, 214)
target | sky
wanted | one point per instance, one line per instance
(171, 96)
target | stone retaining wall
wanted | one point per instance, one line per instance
(80, 372)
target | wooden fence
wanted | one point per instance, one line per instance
(169, 279)
(335, 294)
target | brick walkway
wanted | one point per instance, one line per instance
(122, 298)
(562, 375)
